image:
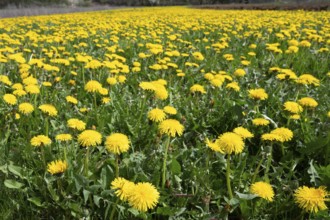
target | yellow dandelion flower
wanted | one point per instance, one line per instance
(197, 88)
(259, 94)
(198, 56)
(307, 79)
(308, 102)
(230, 142)
(311, 199)
(213, 146)
(76, 124)
(19, 92)
(106, 100)
(93, 86)
(161, 92)
(295, 117)
(285, 134)
(243, 132)
(89, 138)
(10, 99)
(260, 122)
(71, 99)
(156, 115)
(234, 86)
(123, 188)
(293, 107)
(57, 166)
(240, 72)
(170, 110)
(216, 82)
(48, 109)
(171, 127)
(144, 196)
(32, 89)
(117, 143)
(25, 108)
(270, 137)
(263, 190)
(111, 81)
(40, 140)
(63, 137)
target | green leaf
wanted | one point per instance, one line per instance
(53, 194)
(246, 196)
(86, 194)
(133, 211)
(13, 184)
(312, 172)
(16, 170)
(4, 169)
(97, 200)
(36, 201)
(175, 167)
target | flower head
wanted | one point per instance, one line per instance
(76, 124)
(10, 99)
(197, 88)
(259, 94)
(243, 132)
(57, 166)
(117, 143)
(293, 107)
(170, 110)
(48, 109)
(311, 199)
(25, 108)
(263, 190)
(285, 134)
(93, 86)
(213, 146)
(89, 138)
(308, 102)
(230, 142)
(71, 99)
(123, 188)
(171, 127)
(239, 72)
(144, 196)
(63, 137)
(260, 122)
(156, 115)
(40, 140)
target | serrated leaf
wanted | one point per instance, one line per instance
(175, 167)
(16, 170)
(13, 184)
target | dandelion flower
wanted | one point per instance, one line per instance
(25, 108)
(307, 79)
(89, 138)
(123, 188)
(63, 137)
(10, 99)
(144, 196)
(32, 89)
(311, 199)
(233, 85)
(48, 109)
(295, 117)
(213, 146)
(308, 102)
(198, 56)
(156, 115)
(270, 137)
(260, 122)
(171, 127)
(57, 166)
(71, 99)
(197, 88)
(293, 107)
(263, 190)
(170, 110)
(284, 133)
(76, 124)
(259, 94)
(117, 143)
(111, 80)
(40, 140)
(243, 132)
(93, 86)
(230, 142)
(240, 72)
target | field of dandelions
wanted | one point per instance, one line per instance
(165, 113)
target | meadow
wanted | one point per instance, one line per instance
(165, 113)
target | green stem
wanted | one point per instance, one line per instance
(43, 156)
(167, 144)
(113, 209)
(269, 162)
(86, 162)
(141, 110)
(117, 166)
(46, 126)
(230, 192)
(257, 170)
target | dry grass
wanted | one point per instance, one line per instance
(7, 13)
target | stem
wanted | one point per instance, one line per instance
(95, 106)
(86, 162)
(282, 149)
(117, 166)
(113, 209)
(43, 156)
(230, 192)
(269, 161)
(141, 110)
(46, 127)
(167, 144)
(257, 170)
